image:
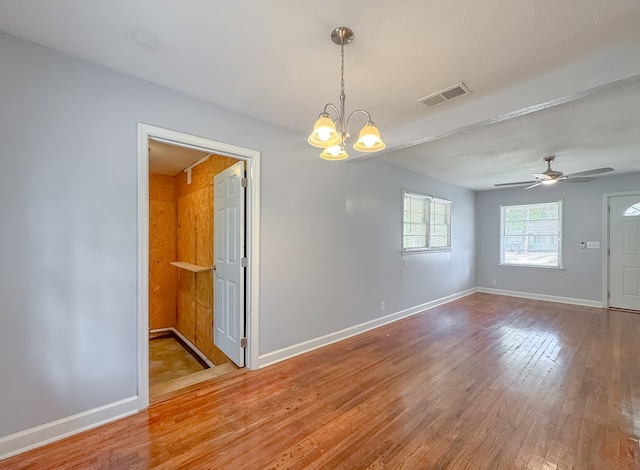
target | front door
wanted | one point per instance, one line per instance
(624, 254)
(229, 264)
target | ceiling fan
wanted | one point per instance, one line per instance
(550, 176)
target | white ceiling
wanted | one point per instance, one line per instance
(599, 130)
(274, 61)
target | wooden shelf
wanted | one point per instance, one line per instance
(189, 267)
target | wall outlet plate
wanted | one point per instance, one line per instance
(593, 244)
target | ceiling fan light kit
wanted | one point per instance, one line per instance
(331, 135)
(550, 176)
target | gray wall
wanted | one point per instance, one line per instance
(339, 242)
(68, 205)
(582, 221)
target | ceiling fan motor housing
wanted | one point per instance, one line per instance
(553, 173)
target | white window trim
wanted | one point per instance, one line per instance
(427, 249)
(560, 266)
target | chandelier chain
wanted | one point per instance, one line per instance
(342, 69)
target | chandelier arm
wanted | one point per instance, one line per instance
(359, 111)
(334, 107)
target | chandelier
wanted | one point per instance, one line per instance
(331, 134)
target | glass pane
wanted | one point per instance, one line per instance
(515, 214)
(515, 244)
(419, 210)
(415, 229)
(439, 225)
(633, 210)
(543, 226)
(515, 228)
(439, 219)
(532, 250)
(415, 204)
(417, 218)
(533, 259)
(439, 242)
(415, 242)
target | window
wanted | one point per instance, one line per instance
(530, 235)
(633, 210)
(426, 223)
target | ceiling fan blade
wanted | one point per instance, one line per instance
(597, 171)
(533, 185)
(578, 180)
(515, 183)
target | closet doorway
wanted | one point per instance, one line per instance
(197, 265)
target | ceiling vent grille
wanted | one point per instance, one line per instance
(448, 94)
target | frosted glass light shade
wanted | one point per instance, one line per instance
(324, 133)
(369, 139)
(334, 153)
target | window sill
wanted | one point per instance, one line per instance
(432, 250)
(528, 266)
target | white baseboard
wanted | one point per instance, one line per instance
(306, 346)
(28, 439)
(549, 298)
(187, 342)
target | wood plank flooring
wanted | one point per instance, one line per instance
(485, 382)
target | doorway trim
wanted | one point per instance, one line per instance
(252, 159)
(605, 238)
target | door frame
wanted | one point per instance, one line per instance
(605, 238)
(252, 225)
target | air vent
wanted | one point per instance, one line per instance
(448, 94)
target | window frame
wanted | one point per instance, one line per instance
(560, 230)
(429, 202)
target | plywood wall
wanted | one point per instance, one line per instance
(195, 245)
(163, 224)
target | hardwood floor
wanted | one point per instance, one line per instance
(482, 382)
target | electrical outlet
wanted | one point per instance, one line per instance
(382, 306)
(493, 282)
(593, 244)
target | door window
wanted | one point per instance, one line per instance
(633, 210)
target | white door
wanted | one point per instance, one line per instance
(228, 252)
(624, 254)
